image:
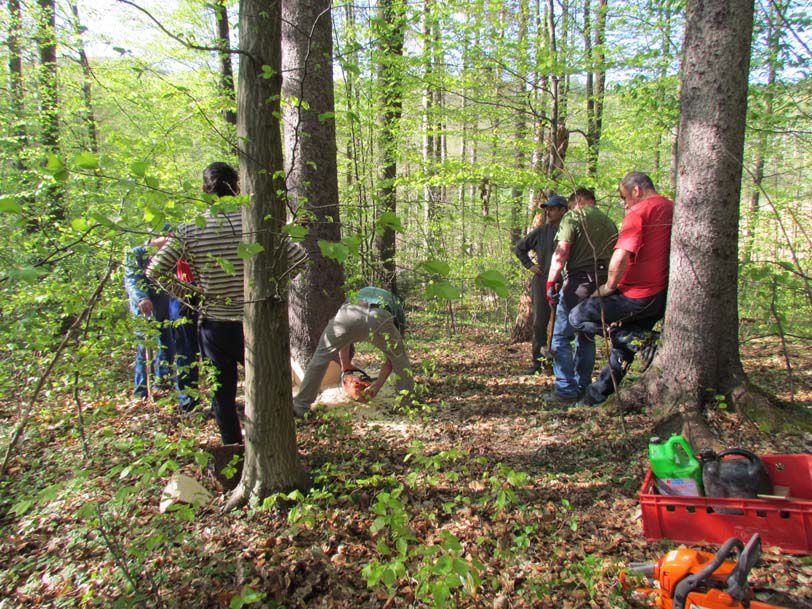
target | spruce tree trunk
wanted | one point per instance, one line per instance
(271, 457)
(310, 142)
(226, 69)
(700, 354)
(390, 40)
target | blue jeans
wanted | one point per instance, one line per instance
(184, 331)
(634, 319)
(161, 364)
(572, 374)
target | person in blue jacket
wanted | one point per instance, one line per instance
(147, 302)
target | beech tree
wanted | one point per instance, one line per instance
(271, 457)
(226, 69)
(48, 97)
(392, 31)
(312, 174)
(700, 354)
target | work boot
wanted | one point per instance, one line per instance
(534, 369)
(555, 399)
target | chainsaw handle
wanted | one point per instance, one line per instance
(692, 582)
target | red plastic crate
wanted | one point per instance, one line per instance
(785, 523)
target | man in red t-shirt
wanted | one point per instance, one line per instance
(633, 298)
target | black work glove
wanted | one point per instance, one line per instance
(552, 293)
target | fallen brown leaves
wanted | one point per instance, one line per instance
(555, 538)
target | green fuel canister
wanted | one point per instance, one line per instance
(676, 470)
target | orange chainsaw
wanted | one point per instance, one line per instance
(355, 382)
(691, 579)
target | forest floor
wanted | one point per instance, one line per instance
(485, 496)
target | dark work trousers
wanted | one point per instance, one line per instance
(541, 316)
(634, 318)
(184, 331)
(223, 344)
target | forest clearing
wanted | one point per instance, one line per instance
(541, 501)
(406, 304)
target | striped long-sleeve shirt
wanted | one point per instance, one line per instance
(211, 252)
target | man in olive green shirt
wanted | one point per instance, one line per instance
(585, 238)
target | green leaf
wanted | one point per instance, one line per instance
(442, 290)
(227, 266)
(21, 507)
(249, 250)
(297, 232)
(325, 116)
(493, 280)
(103, 220)
(79, 224)
(152, 182)
(200, 221)
(353, 242)
(54, 164)
(388, 220)
(268, 72)
(86, 160)
(9, 205)
(29, 274)
(436, 267)
(389, 578)
(335, 251)
(236, 602)
(139, 168)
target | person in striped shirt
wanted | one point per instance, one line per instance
(211, 252)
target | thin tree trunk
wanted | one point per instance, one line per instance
(595, 80)
(271, 457)
(226, 69)
(700, 354)
(88, 114)
(15, 81)
(49, 99)
(773, 49)
(310, 139)
(430, 135)
(517, 217)
(392, 23)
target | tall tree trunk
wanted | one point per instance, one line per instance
(700, 354)
(517, 216)
(15, 81)
(48, 98)
(559, 134)
(271, 457)
(310, 141)
(88, 115)
(522, 330)
(430, 132)
(595, 80)
(773, 49)
(392, 15)
(226, 69)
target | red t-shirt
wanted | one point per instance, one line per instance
(646, 233)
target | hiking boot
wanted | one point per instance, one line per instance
(534, 369)
(554, 398)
